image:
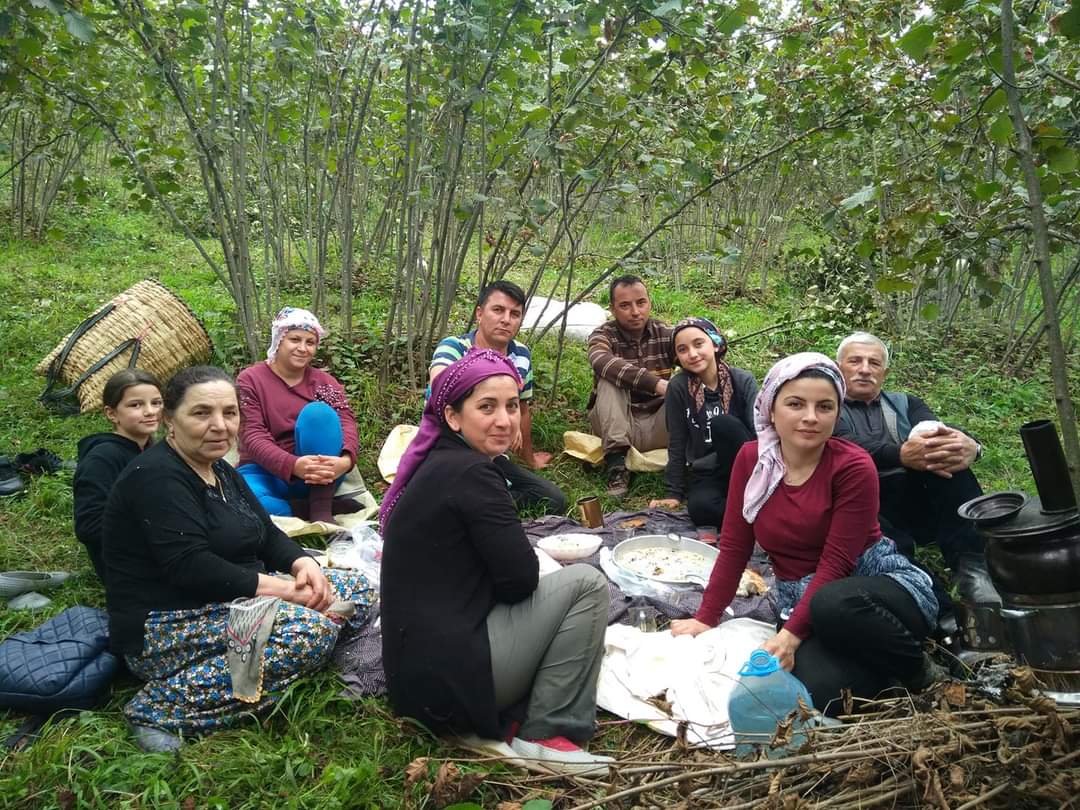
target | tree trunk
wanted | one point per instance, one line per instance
(1058, 364)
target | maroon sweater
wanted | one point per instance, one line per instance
(819, 527)
(268, 411)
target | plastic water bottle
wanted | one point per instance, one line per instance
(764, 696)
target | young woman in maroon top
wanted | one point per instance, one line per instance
(855, 611)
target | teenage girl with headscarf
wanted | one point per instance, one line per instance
(298, 435)
(473, 641)
(710, 415)
(855, 611)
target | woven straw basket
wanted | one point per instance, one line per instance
(147, 317)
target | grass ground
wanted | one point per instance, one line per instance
(317, 749)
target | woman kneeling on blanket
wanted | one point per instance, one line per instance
(472, 641)
(298, 434)
(191, 606)
(856, 610)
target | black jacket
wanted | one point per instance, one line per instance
(102, 457)
(686, 440)
(173, 543)
(453, 549)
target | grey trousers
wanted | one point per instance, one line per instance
(619, 428)
(548, 649)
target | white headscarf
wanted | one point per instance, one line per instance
(769, 470)
(288, 319)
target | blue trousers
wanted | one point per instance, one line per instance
(317, 433)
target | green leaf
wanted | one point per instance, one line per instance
(942, 90)
(537, 804)
(29, 46)
(1061, 159)
(960, 51)
(731, 22)
(1061, 101)
(1069, 22)
(891, 284)
(1001, 130)
(668, 8)
(541, 206)
(78, 26)
(986, 191)
(860, 197)
(996, 101)
(916, 42)
(674, 43)
(930, 312)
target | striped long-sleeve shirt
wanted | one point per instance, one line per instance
(634, 364)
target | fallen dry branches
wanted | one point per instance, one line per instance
(946, 749)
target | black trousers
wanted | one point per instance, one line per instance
(920, 509)
(531, 490)
(706, 494)
(868, 634)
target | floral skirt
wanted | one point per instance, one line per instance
(184, 659)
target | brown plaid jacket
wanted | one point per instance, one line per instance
(636, 365)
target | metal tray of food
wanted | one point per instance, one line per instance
(666, 558)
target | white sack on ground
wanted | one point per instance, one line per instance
(695, 674)
(582, 319)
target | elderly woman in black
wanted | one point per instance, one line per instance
(472, 641)
(194, 606)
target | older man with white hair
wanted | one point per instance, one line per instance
(923, 464)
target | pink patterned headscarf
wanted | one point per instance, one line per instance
(769, 470)
(457, 378)
(288, 319)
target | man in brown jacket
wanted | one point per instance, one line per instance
(631, 361)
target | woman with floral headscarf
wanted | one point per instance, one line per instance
(710, 415)
(855, 610)
(298, 434)
(474, 642)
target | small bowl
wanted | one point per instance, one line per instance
(573, 546)
(997, 507)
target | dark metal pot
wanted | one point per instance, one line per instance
(1033, 555)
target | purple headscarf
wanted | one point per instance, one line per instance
(769, 470)
(457, 378)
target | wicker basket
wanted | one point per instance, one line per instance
(147, 320)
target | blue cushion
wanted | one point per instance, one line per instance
(63, 664)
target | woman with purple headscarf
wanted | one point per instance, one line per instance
(298, 435)
(855, 611)
(710, 415)
(473, 641)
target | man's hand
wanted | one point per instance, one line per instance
(783, 646)
(661, 387)
(943, 452)
(951, 453)
(665, 503)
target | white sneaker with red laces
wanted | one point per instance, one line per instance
(561, 756)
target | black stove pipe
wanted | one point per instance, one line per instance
(1048, 466)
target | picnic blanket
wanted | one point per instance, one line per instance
(358, 656)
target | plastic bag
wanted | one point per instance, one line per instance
(631, 584)
(358, 550)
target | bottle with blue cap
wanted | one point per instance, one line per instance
(764, 696)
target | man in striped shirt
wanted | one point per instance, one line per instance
(631, 361)
(498, 319)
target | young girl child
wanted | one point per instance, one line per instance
(132, 402)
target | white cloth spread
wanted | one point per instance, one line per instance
(695, 674)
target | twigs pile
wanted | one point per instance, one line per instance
(944, 749)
